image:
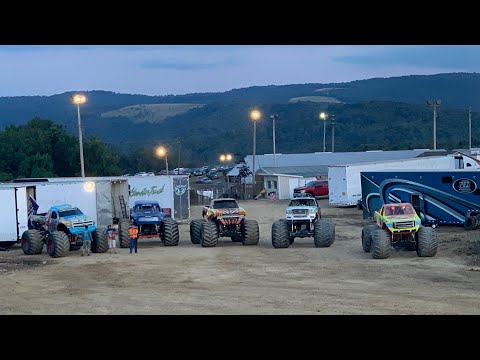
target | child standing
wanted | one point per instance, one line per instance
(110, 233)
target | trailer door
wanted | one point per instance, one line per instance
(417, 203)
(22, 210)
(8, 220)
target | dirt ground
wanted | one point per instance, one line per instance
(233, 279)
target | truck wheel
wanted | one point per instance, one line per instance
(280, 234)
(291, 240)
(250, 232)
(380, 246)
(99, 241)
(367, 236)
(169, 232)
(426, 241)
(123, 237)
(208, 234)
(32, 242)
(58, 244)
(324, 233)
(195, 227)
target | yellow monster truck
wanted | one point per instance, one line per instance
(398, 225)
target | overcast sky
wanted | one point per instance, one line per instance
(163, 70)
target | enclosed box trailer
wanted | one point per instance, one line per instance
(14, 214)
(438, 196)
(345, 188)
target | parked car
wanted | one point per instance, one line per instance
(150, 173)
(198, 172)
(312, 188)
(141, 173)
(203, 180)
(212, 175)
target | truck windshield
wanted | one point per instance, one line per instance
(69, 212)
(302, 202)
(309, 184)
(146, 208)
(228, 204)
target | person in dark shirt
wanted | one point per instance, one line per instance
(110, 233)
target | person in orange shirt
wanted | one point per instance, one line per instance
(133, 233)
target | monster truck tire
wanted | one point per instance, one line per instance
(32, 242)
(250, 233)
(169, 232)
(58, 244)
(426, 241)
(291, 240)
(195, 228)
(380, 246)
(478, 222)
(123, 237)
(324, 233)
(208, 234)
(367, 237)
(99, 241)
(471, 223)
(280, 234)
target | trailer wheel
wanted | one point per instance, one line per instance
(250, 232)
(99, 241)
(324, 233)
(380, 246)
(195, 227)
(32, 242)
(169, 231)
(58, 244)
(208, 234)
(367, 237)
(471, 223)
(123, 237)
(426, 241)
(280, 238)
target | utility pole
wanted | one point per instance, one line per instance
(435, 104)
(333, 132)
(470, 128)
(273, 117)
(178, 168)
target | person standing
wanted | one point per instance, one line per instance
(133, 233)
(110, 233)
(87, 241)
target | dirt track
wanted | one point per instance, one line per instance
(232, 279)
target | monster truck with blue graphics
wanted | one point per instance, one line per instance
(61, 229)
(303, 218)
(151, 223)
(223, 218)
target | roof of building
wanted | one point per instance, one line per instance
(304, 171)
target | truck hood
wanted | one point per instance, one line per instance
(75, 218)
(300, 188)
(228, 211)
(158, 215)
(302, 208)
(400, 217)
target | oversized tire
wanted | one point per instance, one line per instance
(195, 228)
(32, 242)
(471, 223)
(123, 237)
(208, 234)
(380, 246)
(324, 233)
(99, 241)
(478, 222)
(426, 241)
(367, 236)
(58, 244)
(250, 232)
(169, 229)
(291, 240)
(280, 235)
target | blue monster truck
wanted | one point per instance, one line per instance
(151, 223)
(61, 229)
(303, 218)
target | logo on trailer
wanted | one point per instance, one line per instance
(465, 186)
(180, 189)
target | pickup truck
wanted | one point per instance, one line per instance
(315, 188)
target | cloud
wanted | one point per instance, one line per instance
(421, 56)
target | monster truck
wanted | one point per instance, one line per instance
(303, 218)
(223, 217)
(398, 225)
(151, 223)
(61, 229)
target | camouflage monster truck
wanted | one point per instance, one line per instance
(223, 217)
(303, 218)
(61, 229)
(398, 225)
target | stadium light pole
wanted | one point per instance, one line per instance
(80, 99)
(324, 116)
(435, 104)
(333, 132)
(161, 151)
(274, 117)
(255, 116)
(226, 158)
(470, 128)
